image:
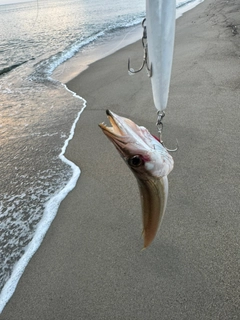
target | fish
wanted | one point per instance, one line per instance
(150, 163)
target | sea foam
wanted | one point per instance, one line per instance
(49, 214)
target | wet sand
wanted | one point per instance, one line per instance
(90, 264)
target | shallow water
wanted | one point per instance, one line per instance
(32, 132)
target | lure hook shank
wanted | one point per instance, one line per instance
(159, 124)
(145, 55)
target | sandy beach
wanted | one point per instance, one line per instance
(90, 264)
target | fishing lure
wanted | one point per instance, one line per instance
(146, 156)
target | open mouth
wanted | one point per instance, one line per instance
(116, 129)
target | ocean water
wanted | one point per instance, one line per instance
(38, 113)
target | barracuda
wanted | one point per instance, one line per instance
(150, 163)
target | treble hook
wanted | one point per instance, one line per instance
(159, 125)
(145, 56)
(171, 150)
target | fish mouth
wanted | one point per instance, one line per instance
(120, 132)
(117, 127)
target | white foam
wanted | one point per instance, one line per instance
(49, 214)
(184, 6)
(54, 61)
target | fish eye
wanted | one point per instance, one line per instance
(135, 161)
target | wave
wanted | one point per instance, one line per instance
(49, 214)
(182, 3)
(10, 68)
(45, 68)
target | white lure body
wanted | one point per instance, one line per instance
(160, 21)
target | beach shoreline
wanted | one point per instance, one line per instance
(101, 49)
(89, 265)
(74, 66)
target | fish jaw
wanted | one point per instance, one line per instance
(150, 163)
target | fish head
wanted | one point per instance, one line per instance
(142, 152)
